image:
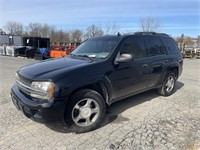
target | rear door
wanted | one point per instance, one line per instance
(158, 59)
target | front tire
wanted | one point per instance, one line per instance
(168, 85)
(85, 111)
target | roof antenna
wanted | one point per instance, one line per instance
(118, 34)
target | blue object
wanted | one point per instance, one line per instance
(44, 51)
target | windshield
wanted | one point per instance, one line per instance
(188, 50)
(96, 47)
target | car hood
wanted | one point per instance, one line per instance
(47, 70)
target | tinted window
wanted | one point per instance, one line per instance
(134, 45)
(171, 45)
(155, 46)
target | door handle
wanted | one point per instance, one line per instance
(166, 61)
(145, 65)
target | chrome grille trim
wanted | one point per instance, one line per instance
(27, 89)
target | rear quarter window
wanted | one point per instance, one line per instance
(171, 45)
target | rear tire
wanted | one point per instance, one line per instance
(85, 111)
(168, 85)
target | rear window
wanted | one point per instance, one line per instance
(170, 45)
(155, 46)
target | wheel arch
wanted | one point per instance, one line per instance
(98, 87)
(175, 70)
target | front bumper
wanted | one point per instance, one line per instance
(44, 112)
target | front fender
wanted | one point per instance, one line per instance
(68, 88)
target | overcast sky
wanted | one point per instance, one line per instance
(176, 16)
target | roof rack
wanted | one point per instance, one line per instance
(145, 33)
(129, 33)
(150, 33)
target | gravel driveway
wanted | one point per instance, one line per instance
(145, 121)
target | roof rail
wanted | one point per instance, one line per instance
(129, 33)
(150, 33)
(145, 33)
(163, 34)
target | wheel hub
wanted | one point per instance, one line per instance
(86, 112)
(170, 84)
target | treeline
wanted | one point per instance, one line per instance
(184, 41)
(59, 35)
(147, 24)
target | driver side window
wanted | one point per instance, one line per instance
(134, 46)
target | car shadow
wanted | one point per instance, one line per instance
(179, 85)
(113, 113)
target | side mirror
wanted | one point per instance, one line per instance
(125, 58)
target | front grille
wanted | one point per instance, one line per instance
(24, 86)
(24, 80)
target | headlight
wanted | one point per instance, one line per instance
(43, 90)
(16, 76)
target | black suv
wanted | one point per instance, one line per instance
(77, 88)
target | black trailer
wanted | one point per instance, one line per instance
(37, 46)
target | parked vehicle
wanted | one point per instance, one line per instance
(77, 88)
(188, 53)
(198, 54)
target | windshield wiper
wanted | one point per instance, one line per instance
(86, 56)
(91, 58)
(74, 55)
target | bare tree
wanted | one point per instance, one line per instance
(111, 28)
(14, 28)
(39, 30)
(93, 31)
(188, 41)
(76, 36)
(184, 41)
(34, 29)
(48, 31)
(60, 36)
(45, 30)
(150, 24)
(181, 42)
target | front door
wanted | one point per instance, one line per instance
(130, 77)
